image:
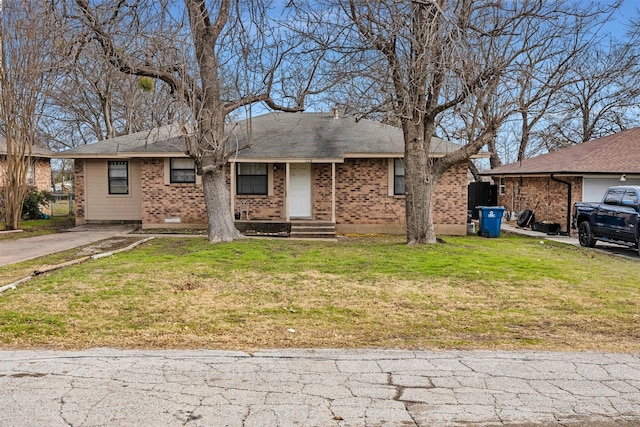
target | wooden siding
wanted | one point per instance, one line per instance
(102, 206)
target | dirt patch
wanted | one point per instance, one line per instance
(181, 231)
(105, 246)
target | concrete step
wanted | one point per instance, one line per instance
(313, 236)
(311, 223)
(313, 230)
(319, 229)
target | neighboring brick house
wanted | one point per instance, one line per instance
(39, 172)
(293, 166)
(553, 182)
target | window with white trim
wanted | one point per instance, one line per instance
(118, 177)
(252, 178)
(502, 186)
(31, 174)
(183, 170)
(398, 177)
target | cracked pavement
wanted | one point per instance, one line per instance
(111, 387)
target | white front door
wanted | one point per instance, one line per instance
(300, 190)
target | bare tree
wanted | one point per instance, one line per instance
(532, 90)
(26, 70)
(93, 101)
(442, 56)
(146, 38)
(604, 88)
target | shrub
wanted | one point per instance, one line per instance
(34, 202)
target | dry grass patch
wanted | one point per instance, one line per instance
(508, 293)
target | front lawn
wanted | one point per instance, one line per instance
(37, 227)
(470, 293)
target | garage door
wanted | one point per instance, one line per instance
(594, 188)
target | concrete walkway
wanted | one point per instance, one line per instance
(13, 251)
(105, 387)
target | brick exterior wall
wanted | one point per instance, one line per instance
(80, 197)
(362, 196)
(42, 170)
(450, 199)
(162, 201)
(270, 207)
(550, 196)
(321, 191)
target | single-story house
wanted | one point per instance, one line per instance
(284, 166)
(551, 183)
(39, 172)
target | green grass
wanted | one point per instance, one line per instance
(38, 227)
(470, 292)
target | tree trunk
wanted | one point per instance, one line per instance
(420, 184)
(220, 225)
(14, 186)
(494, 159)
(12, 209)
(211, 143)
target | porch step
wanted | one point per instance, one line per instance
(313, 230)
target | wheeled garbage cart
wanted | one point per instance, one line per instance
(490, 220)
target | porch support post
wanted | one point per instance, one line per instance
(333, 192)
(287, 182)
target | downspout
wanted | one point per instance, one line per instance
(568, 184)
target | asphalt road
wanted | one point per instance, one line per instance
(106, 387)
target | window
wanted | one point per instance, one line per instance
(31, 174)
(613, 197)
(398, 177)
(502, 186)
(252, 178)
(183, 170)
(630, 198)
(119, 177)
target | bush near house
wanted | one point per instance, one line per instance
(34, 202)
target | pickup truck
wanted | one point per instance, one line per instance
(615, 220)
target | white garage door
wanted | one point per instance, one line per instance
(594, 188)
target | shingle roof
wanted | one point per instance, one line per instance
(614, 154)
(165, 139)
(35, 151)
(274, 136)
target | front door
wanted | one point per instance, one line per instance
(300, 190)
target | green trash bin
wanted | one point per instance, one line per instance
(490, 220)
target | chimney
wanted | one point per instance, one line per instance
(336, 115)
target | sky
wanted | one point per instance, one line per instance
(630, 9)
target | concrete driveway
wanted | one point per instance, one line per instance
(604, 247)
(13, 251)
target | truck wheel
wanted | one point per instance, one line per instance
(585, 236)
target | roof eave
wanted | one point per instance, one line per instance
(283, 160)
(120, 155)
